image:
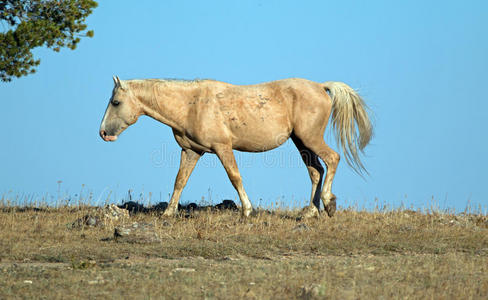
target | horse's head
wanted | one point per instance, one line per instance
(122, 111)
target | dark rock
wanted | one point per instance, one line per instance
(227, 204)
(133, 207)
(9, 209)
(161, 206)
(192, 207)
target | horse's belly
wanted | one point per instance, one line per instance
(187, 143)
(259, 139)
(259, 131)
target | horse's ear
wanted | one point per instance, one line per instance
(121, 84)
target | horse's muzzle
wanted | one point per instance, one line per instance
(107, 138)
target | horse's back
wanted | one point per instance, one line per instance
(262, 116)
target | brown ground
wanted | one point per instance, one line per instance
(399, 254)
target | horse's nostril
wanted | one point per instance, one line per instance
(103, 133)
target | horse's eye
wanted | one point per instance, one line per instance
(115, 102)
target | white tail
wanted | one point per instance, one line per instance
(352, 126)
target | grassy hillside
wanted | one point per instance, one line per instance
(44, 253)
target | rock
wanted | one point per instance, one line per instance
(405, 228)
(309, 212)
(227, 204)
(230, 258)
(133, 207)
(313, 291)
(189, 207)
(102, 216)
(98, 280)
(80, 265)
(184, 270)
(92, 220)
(115, 213)
(161, 206)
(140, 233)
(87, 220)
(192, 206)
(300, 227)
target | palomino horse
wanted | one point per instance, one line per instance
(217, 117)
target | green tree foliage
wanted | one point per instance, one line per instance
(28, 24)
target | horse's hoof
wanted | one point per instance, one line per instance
(246, 213)
(169, 213)
(309, 212)
(330, 208)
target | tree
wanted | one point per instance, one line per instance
(29, 24)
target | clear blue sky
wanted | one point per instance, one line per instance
(422, 66)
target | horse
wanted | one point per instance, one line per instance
(209, 116)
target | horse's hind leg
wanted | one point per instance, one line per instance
(316, 172)
(331, 159)
(228, 160)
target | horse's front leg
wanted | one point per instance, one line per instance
(227, 158)
(188, 161)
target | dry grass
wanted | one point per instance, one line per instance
(394, 254)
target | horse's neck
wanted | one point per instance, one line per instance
(166, 103)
